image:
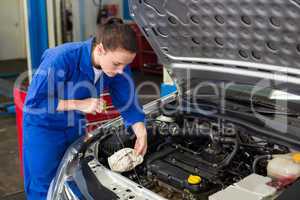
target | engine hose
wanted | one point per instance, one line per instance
(162, 145)
(229, 158)
(257, 159)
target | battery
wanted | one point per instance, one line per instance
(252, 187)
(232, 192)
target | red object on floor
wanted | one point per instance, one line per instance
(19, 99)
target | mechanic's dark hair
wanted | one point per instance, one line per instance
(115, 34)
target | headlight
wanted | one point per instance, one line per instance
(71, 191)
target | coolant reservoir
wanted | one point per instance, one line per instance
(286, 166)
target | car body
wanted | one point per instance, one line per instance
(235, 64)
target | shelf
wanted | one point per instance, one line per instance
(147, 51)
(153, 68)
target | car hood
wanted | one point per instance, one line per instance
(250, 42)
(245, 41)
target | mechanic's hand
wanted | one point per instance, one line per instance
(141, 138)
(91, 105)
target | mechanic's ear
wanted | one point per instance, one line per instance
(100, 49)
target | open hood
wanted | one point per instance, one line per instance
(243, 41)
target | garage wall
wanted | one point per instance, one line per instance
(85, 15)
(12, 30)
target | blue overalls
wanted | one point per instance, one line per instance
(65, 72)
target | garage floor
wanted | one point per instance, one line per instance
(10, 178)
(11, 183)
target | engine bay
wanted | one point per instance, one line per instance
(194, 157)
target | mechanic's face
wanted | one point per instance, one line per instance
(112, 62)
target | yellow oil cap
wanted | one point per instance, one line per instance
(194, 180)
(296, 157)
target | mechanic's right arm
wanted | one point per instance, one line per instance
(90, 105)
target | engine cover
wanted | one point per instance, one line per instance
(174, 165)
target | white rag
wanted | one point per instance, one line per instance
(124, 160)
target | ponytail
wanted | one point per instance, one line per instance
(114, 34)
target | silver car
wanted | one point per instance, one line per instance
(231, 131)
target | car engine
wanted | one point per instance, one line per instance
(192, 157)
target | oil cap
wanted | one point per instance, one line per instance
(296, 157)
(194, 179)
